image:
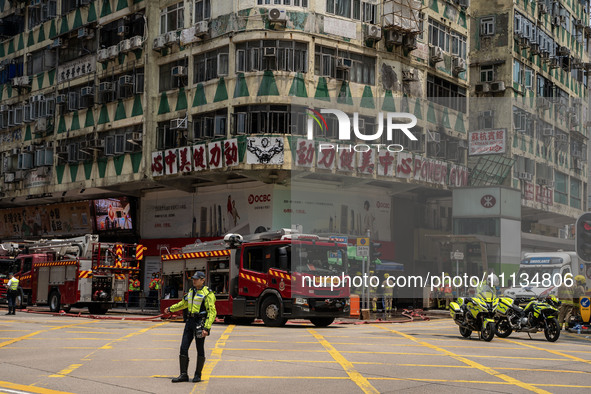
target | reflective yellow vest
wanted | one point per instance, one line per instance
(192, 302)
(13, 284)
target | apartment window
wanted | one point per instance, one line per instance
(346, 8)
(209, 125)
(487, 26)
(369, 13)
(172, 18)
(253, 119)
(575, 193)
(487, 73)
(486, 120)
(45, 12)
(68, 5)
(329, 62)
(210, 65)
(296, 3)
(458, 45)
(446, 93)
(560, 188)
(40, 61)
(438, 35)
(275, 55)
(166, 81)
(528, 74)
(202, 10)
(517, 75)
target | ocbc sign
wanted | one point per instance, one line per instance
(259, 198)
(380, 204)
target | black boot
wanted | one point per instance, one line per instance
(184, 363)
(200, 364)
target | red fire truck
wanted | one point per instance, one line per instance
(77, 272)
(275, 276)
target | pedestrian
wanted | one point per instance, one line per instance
(566, 294)
(199, 299)
(12, 287)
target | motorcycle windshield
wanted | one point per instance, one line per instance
(486, 293)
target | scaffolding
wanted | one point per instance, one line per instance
(402, 15)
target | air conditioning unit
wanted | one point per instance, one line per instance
(171, 37)
(125, 46)
(435, 54)
(344, 63)
(498, 86)
(548, 132)
(113, 51)
(556, 20)
(87, 91)
(482, 87)
(178, 71)
(577, 153)
(579, 23)
(41, 124)
(277, 15)
(554, 63)
(135, 42)
(578, 164)
(409, 75)
(374, 32)
(535, 48)
(85, 33)
(542, 9)
(409, 41)
(159, 43)
(122, 30)
(524, 42)
(178, 124)
(561, 138)
(135, 136)
(58, 43)
(459, 64)
(269, 52)
(85, 2)
(574, 120)
(61, 149)
(433, 136)
(563, 51)
(393, 37)
(201, 29)
(542, 103)
(37, 97)
(526, 176)
(126, 80)
(105, 87)
(545, 55)
(102, 55)
(96, 143)
(463, 144)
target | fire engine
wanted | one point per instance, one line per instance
(275, 276)
(64, 273)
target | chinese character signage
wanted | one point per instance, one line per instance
(544, 194)
(304, 153)
(528, 191)
(487, 142)
(76, 68)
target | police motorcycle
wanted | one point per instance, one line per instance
(539, 314)
(476, 313)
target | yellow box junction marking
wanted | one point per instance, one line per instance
(30, 389)
(216, 356)
(65, 371)
(581, 360)
(10, 342)
(474, 364)
(354, 375)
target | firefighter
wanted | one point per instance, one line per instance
(12, 287)
(134, 287)
(447, 292)
(199, 298)
(578, 292)
(566, 294)
(154, 288)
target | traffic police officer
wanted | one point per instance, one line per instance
(12, 287)
(199, 298)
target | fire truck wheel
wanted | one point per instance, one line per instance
(271, 313)
(54, 301)
(322, 321)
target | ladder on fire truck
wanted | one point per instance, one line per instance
(78, 247)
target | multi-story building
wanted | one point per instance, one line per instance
(197, 113)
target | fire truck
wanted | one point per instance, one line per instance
(274, 276)
(64, 273)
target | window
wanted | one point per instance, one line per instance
(254, 259)
(575, 193)
(45, 12)
(458, 45)
(210, 124)
(166, 81)
(346, 8)
(40, 61)
(172, 18)
(68, 5)
(202, 10)
(369, 13)
(275, 55)
(296, 3)
(446, 93)
(487, 73)
(252, 119)
(528, 74)
(487, 26)
(560, 188)
(362, 69)
(210, 65)
(438, 35)
(517, 75)
(486, 120)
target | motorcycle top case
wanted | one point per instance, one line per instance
(454, 309)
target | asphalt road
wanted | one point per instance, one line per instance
(47, 354)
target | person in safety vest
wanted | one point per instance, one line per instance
(565, 295)
(578, 292)
(447, 292)
(154, 288)
(199, 299)
(12, 287)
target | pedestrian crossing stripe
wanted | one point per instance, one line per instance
(253, 278)
(85, 274)
(55, 263)
(196, 255)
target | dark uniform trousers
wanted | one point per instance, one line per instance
(188, 335)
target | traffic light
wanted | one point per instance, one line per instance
(583, 237)
(374, 254)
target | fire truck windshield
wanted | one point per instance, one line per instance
(318, 259)
(6, 266)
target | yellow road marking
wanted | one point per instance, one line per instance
(472, 363)
(10, 342)
(14, 330)
(214, 358)
(568, 334)
(66, 371)
(355, 376)
(31, 389)
(581, 360)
